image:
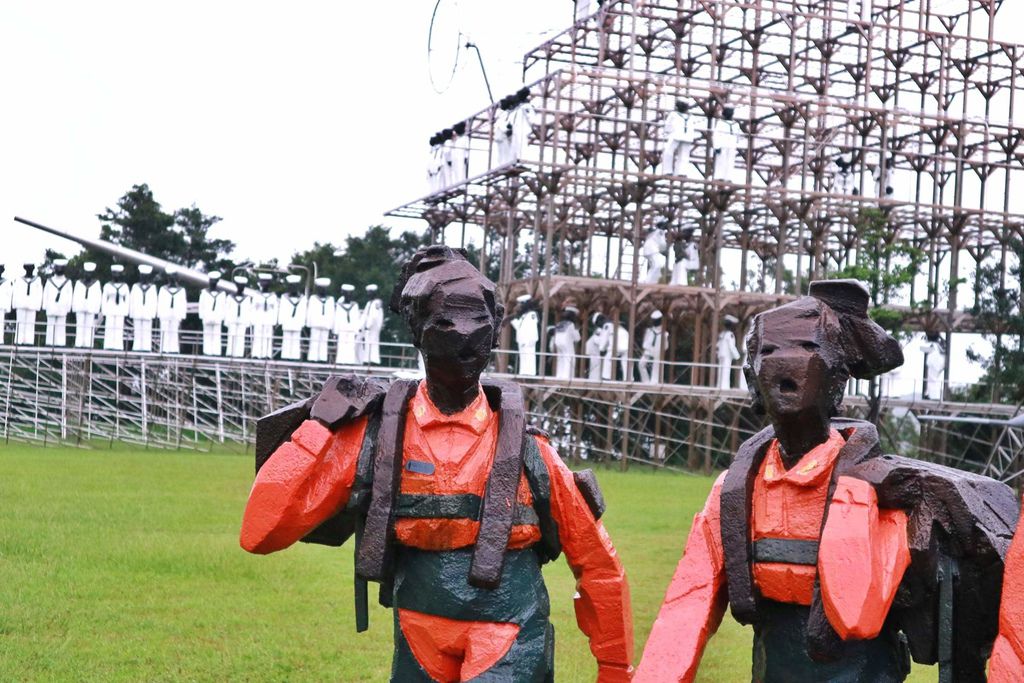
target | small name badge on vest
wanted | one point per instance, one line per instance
(420, 467)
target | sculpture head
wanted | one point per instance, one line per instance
(172, 275)
(452, 312)
(800, 355)
(30, 268)
(682, 107)
(89, 271)
(322, 284)
(116, 272)
(728, 113)
(293, 284)
(460, 128)
(240, 284)
(59, 266)
(264, 280)
(214, 278)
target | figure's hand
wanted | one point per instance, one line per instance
(346, 397)
(614, 673)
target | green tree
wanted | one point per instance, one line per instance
(998, 309)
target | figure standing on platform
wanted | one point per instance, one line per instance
(503, 131)
(6, 297)
(652, 348)
(883, 177)
(86, 304)
(680, 134)
(211, 312)
(526, 325)
(445, 172)
(564, 338)
(319, 320)
(373, 323)
(237, 318)
(459, 158)
(618, 347)
(934, 349)
(264, 316)
(171, 309)
(724, 141)
(57, 295)
(727, 351)
(597, 346)
(843, 180)
(654, 248)
(143, 308)
(27, 301)
(348, 321)
(434, 164)
(115, 308)
(687, 259)
(292, 318)
(522, 118)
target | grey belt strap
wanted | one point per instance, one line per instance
(786, 551)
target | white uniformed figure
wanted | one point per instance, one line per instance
(527, 328)
(652, 348)
(237, 318)
(373, 322)
(348, 321)
(434, 162)
(727, 352)
(143, 308)
(680, 134)
(6, 293)
(115, 307)
(86, 304)
(211, 312)
(724, 140)
(171, 309)
(319, 320)
(884, 177)
(563, 343)
(264, 306)
(858, 10)
(843, 179)
(687, 259)
(27, 300)
(291, 316)
(57, 294)
(503, 131)
(618, 347)
(935, 366)
(522, 119)
(459, 157)
(445, 172)
(597, 346)
(654, 252)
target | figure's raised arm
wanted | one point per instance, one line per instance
(694, 603)
(602, 605)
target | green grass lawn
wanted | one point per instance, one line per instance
(124, 565)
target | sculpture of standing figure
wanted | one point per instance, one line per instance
(727, 351)
(57, 294)
(618, 347)
(934, 350)
(687, 259)
(654, 249)
(467, 501)
(503, 131)
(883, 178)
(142, 307)
(563, 342)
(459, 156)
(597, 346)
(27, 300)
(115, 308)
(292, 318)
(812, 531)
(652, 348)
(527, 328)
(86, 304)
(373, 323)
(6, 297)
(171, 309)
(237, 318)
(264, 306)
(319, 320)
(843, 178)
(211, 311)
(724, 141)
(680, 134)
(522, 119)
(434, 164)
(347, 324)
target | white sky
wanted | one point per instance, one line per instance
(295, 122)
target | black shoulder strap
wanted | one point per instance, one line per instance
(500, 498)
(373, 558)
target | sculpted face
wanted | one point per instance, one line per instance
(458, 332)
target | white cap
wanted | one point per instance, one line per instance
(731, 319)
(241, 280)
(523, 298)
(348, 288)
(656, 315)
(145, 269)
(322, 282)
(594, 318)
(171, 270)
(371, 288)
(293, 279)
(89, 267)
(117, 268)
(60, 262)
(265, 277)
(214, 274)
(571, 309)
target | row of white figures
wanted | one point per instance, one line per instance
(357, 330)
(681, 132)
(515, 119)
(655, 250)
(449, 158)
(845, 176)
